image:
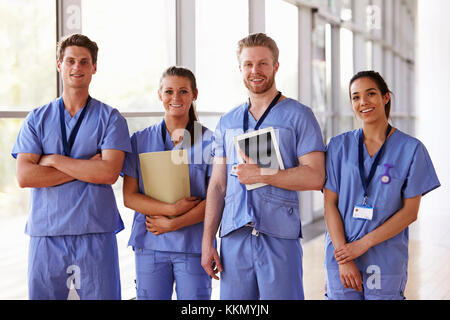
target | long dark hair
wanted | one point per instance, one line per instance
(188, 74)
(381, 84)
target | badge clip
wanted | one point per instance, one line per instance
(386, 178)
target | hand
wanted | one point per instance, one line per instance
(159, 224)
(350, 276)
(184, 205)
(47, 160)
(249, 172)
(351, 251)
(211, 261)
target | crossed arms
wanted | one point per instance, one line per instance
(36, 171)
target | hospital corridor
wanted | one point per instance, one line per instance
(323, 45)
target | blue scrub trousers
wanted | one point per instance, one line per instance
(156, 272)
(88, 262)
(260, 267)
(391, 287)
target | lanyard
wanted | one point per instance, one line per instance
(366, 182)
(67, 145)
(263, 117)
(163, 131)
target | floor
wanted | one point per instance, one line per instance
(428, 267)
(428, 273)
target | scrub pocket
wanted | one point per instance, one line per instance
(145, 261)
(279, 217)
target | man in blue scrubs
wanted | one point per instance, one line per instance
(69, 152)
(261, 255)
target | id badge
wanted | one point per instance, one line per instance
(234, 170)
(363, 212)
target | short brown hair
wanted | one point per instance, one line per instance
(258, 40)
(77, 40)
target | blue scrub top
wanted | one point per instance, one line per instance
(273, 211)
(412, 174)
(187, 239)
(75, 207)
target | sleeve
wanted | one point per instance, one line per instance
(218, 145)
(130, 164)
(28, 140)
(309, 136)
(331, 182)
(116, 135)
(421, 177)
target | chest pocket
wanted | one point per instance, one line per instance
(389, 196)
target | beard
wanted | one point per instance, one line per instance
(269, 81)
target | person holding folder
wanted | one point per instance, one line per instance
(261, 255)
(167, 237)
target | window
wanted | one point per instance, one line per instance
(219, 26)
(321, 76)
(346, 10)
(346, 117)
(28, 78)
(27, 52)
(286, 36)
(135, 44)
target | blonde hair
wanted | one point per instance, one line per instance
(258, 40)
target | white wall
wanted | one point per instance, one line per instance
(433, 94)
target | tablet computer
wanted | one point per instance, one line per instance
(261, 147)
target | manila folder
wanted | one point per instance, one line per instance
(165, 175)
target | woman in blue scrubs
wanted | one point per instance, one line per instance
(376, 177)
(168, 250)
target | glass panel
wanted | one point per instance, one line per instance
(346, 10)
(220, 25)
(346, 56)
(369, 55)
(321, 64)
(134, 42)
(28, 79)
(27, 53)
(321, 73)
(286, 36)
(13, 215)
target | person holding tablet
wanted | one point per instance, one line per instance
(167, 249)
(260, 253)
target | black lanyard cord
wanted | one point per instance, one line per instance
(365, 182)
(263, 117)
(67, 145)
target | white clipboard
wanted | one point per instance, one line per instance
(262, 147)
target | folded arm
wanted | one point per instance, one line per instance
(162, 224)
(146, 205)
(99, 171)
(32, 175)
(393, 226)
